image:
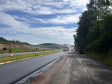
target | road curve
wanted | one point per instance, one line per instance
(12, 72)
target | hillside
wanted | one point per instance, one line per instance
(22, 47)
(4, 41)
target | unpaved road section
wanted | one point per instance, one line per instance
(13, 72)
(76, 68)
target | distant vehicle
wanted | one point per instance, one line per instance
(81, 50)
(76, 49)
(65, 49)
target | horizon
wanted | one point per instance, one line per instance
(32, 44)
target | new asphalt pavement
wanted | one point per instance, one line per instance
(12, 72)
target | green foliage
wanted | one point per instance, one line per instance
(4, 41)
(110, 53)
(106, 58)
(15, 49)
(1, 52)
(83, 29)
(95, 30)
(109, 59)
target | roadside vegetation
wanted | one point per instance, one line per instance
(106, 58)
(1, 52)
(23, 57)
(17, 46)
(94, 32)
(17, 50)
(4, 41)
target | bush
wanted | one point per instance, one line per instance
(110, 54)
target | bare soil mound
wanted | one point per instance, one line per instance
(23, 47)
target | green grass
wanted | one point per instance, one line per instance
(106, 58)
(1, 52)
(17, 58)
(16, 50)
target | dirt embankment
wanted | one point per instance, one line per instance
(23, 47)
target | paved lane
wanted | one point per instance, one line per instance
(11, 72)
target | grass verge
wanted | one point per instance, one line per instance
(106, 58)
(9, 59)
(17, 50)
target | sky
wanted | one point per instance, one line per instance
(40, 21)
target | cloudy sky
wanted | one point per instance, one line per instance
(40, 21)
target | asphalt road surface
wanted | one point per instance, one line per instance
(76, 68)
(87, 70)
(12, 72)
(15, 54)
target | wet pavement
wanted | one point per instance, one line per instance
(76, 68)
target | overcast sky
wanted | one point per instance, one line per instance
(40, 21)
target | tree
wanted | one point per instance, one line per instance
(95, 29)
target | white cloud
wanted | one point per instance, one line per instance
(50, 34)
(47, 31)
(60, 19)
(20, 27)
(43, 6)
(65, 19)
(36, 7)
(78, 3)
(10, 21)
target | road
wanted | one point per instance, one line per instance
(12, 72)
(76, 68)
(87, 70)
(15, 54)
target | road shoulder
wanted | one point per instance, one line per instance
(58, 73)
(76, 68)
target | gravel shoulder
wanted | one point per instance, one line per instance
(60, 72)
(76, 68)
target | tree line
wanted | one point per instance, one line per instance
(94, 32)
(5, 41)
